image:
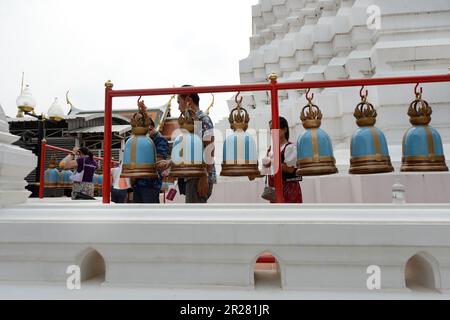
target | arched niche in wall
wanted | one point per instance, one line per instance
(266, 272)
(422, 273)
(92, 266)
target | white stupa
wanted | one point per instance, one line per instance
(303, 40)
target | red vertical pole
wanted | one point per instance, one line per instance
(276, 140)
(107, 144)
(41, 170)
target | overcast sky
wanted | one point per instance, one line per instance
(77, 45)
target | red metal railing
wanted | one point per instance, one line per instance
(44, 147)
(273, 87)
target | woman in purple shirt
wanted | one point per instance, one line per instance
(83, 162)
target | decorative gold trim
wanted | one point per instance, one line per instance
(376, 140)
(133, 151)
(240, 170)
(370, 164)
(306, 161)
(310, 167)
(188, 171)
(311, 119)
(365, 113)
(421, 116)
(430, 141)
(431, 158)
(133, 166)
(139, 131)
(25, 108)
(139, 174)
(423, 164)
(138, 171)
(315, 144)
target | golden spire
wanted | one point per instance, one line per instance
(210, 105)
(68, 102)
(165, 115)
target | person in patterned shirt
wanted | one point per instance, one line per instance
(199, 190)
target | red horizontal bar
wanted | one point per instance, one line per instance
(363, 82)
(188, 90)
(282, 86)
(69, 151)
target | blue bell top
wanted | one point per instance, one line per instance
(422, 141)
(51, 176)
(369, 141)
(314, 143)
(187, 149)
(139, 150)
(67, 174)
(240, 148)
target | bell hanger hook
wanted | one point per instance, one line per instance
(417, 92)
(309, 97)
(362, 95)
(241, 98)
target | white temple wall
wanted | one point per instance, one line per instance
(317, 247)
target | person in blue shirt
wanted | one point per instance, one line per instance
(148, 190)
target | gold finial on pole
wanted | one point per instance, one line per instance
(109, 84)
(273, 76)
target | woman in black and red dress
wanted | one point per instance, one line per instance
(292, 191)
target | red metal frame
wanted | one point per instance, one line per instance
(44, 147)
(273, 87)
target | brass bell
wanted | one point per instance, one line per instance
(314, 149)
(187, 151)
(51, 175)
(240, 157)
(422, 144)
(139, 156)
(369, 149)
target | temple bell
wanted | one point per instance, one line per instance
(240, 157)
(139, 156)
(422, 144)
(369, 149)
(64, 180)
(187, 151)
(51, 175)
(314, 149)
